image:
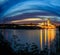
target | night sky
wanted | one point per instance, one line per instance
(18, 9)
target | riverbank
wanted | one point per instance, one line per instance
(17, 26)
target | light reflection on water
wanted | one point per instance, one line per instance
(46, 37)
(43, 37)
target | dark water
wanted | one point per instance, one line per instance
(43, 38)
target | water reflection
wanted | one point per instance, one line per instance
(47, 36)
(43, 38)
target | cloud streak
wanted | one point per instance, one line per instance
(13, 7)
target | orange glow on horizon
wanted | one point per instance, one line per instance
(47, 25)
(28, 19)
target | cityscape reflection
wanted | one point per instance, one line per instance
(47, 36)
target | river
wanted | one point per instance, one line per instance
(43, 38)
